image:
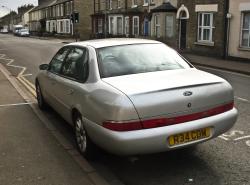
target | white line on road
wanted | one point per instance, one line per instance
(224, 138)
(242, 99)
(240, 138)
(27, 75)
(16, 104)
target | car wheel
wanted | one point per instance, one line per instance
(40, 100)
(84, 144)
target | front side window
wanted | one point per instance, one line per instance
(136, 25)
(245, 40)
(138, 58)
(57, 61)
(205, 27)
(75, 65)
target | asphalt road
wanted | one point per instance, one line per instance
(222, 161)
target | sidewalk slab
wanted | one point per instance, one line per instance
(230, 65)
(29, 152)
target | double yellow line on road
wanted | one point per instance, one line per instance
(31, 87)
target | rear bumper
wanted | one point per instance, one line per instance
(156, 139)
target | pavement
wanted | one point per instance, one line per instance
(229, 65)
(29, 152)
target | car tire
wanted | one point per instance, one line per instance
(84, 144)
(40, 100)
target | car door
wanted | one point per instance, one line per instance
(52, 77)
(73, 74)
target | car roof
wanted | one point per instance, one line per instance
(100, 43)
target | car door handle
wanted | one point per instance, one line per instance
(71, 91)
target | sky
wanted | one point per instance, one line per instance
(13, 4)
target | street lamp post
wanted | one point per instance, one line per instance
(9, 16)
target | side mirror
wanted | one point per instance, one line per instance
(44, 67)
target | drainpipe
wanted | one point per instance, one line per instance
(227, 28)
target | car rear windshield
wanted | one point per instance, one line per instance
(138, 58)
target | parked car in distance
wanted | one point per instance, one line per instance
(17, 28)
(4, 30)
(23, 33)
(134, 96)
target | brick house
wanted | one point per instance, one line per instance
(239, 29)
(202, 26)
(153, 19)
(117, 18)
(54, 17)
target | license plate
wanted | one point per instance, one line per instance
(187, 137)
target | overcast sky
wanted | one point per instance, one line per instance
(13, 4)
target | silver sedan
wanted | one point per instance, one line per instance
(134, 96)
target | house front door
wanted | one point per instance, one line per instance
(183, 33)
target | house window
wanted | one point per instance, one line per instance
(62, 10)
(169, 25)
(99, 25)
(134, 3)
(111, 25)
(245, 40)
(157, 26)
(119, 26)
(67, 8)
(110, 4)
(116, 25)
(127, 26)
(71, 7)
(205, 27)
(145, 2)
(119, 4)
(58, 10)
(135, 25)
(67, 26)
(61, 27)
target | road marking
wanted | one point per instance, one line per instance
(240, 138)
(248, 143)
(21, 76)
(224, 138)
(16, 104)
(225, 71)
(27, 75)
(242, 99)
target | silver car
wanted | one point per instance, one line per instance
(134, 96)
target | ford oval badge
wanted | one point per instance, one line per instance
(187, 93)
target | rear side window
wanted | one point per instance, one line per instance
(57, 61)
(75, 65)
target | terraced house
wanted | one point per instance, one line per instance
(135, 18)
(55, 17)
(202, 26)
(239, 29)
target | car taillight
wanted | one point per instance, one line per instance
(154, 123)
(122, 126)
